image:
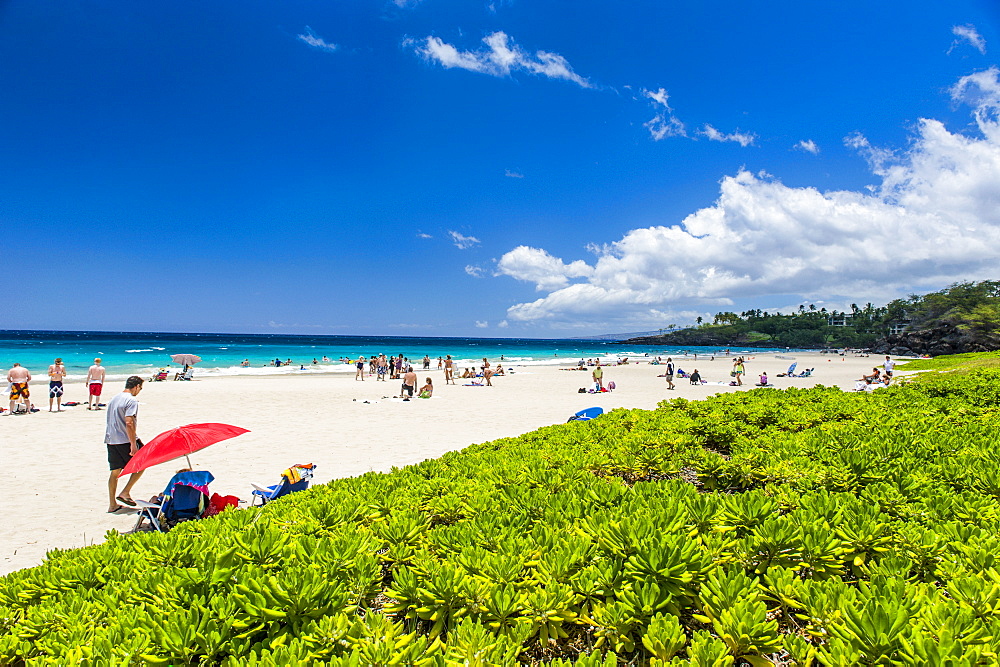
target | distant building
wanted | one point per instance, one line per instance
(843, 320)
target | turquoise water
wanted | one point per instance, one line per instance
(125, 354)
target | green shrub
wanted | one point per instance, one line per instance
(810, 526)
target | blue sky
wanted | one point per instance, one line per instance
(494, 168)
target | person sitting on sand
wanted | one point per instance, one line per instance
(499, 370)
(427, 390)
(468, 373)
(872, 377)
(763, 380)
(695, 377)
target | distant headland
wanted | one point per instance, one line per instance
(964, 317)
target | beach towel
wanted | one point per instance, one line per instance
(297, 473)
(217, 504)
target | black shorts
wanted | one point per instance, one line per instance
(55, 389)
(120, 455)
(407, 389)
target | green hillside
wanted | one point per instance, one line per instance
(964, 317)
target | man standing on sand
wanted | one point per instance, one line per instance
(599, 375)
(409, 383)
(888, 365)
(669, 374)
(95, 384)
(56, 374)
(19, 377)
(122, 443)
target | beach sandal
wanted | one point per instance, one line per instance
(125, 501)
(117, 510)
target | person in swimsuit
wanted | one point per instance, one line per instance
(449, 370)
(95, 384)
(427, 390)
(19, 377)
(56, 374)
(360, 365)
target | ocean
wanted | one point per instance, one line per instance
(129, 353)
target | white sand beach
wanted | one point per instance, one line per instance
(55, 495)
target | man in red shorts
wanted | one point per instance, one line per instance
(95, 383)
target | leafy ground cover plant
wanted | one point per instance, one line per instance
(805, 527)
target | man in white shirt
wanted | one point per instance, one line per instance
(122, 443)
(95, 384)
(888, 365)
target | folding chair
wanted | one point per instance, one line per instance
(184, 499)
(294, 479)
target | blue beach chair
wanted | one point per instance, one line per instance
(586, 415)
(294, 479)
(184, 499)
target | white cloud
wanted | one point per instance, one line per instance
(808, 146)
(664, 123)
(474, 271)
(503, 324)
(933, 218)
(513, 174)
(314, 40)
(422, 235)
(742, 138)
(537, 266)
(462, 241)
(502, 57)
(879, 159)
(660, 97)
(968, 33)
(482, 324)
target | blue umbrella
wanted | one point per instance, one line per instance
(791, 369)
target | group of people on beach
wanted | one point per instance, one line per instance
(878, 378)
(19, 389)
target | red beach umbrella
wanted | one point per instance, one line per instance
(178, 442)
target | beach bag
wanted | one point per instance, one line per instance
(732, 374)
